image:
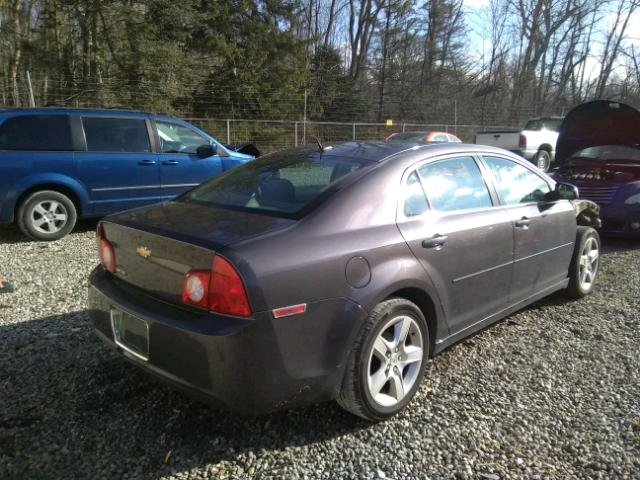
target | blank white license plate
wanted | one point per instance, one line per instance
(130, 333)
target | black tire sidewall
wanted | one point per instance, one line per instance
(394, 310)
(26, 207)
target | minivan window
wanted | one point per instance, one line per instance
(455, 184)
(282, 184)
(36, 132)
(176, 138)
(113, 134)
(515, 183)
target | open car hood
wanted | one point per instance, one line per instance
(600, 122)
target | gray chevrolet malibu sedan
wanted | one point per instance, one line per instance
(334, 273)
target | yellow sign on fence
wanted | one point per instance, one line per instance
(389, 122)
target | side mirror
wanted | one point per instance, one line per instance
(204, 151)
(566, 191)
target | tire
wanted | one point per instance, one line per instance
(542, 160)
(584, 264)
(46, 215)
(375, 389)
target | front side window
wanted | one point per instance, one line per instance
(515, 183)
(281, 184)
(176, 138)
(36, 132)
(455, 184)
(415, 203)
(112, 134)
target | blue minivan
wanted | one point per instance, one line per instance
(60, 164)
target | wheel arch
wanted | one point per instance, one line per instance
(546, 147)
(58, 183)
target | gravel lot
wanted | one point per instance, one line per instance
(551, 392)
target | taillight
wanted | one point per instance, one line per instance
(105, 250)
(226, 292)
(220, 290)
(195, 289)
(522, 142)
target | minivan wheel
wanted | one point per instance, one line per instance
(543, 160)
(46, 215)
(387, 363)
(585, 263)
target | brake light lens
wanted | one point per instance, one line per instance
(220, 290)
(522, 142)
(226, 291)
(105, 250)
(107, 256)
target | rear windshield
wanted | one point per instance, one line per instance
(281, 184)
(544, 124)
(609, 152)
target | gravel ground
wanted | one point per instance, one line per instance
(551, 392)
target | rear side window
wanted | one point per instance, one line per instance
(116, 134)
(455, 184)
(515, 183)
(36, 132)
(283, 183)
(415, 203)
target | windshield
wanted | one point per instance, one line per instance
(544, 124)
(281, 184)
(609, 152)
(407, 137)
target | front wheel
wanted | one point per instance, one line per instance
(387, 363)
(585, 263)
(46, 215)
(543, 160)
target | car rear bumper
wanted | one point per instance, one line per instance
(250, 366)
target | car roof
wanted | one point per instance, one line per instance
(380, 151)
(83, 111)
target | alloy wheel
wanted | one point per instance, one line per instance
(395, 360)
(49, 216)
(589, 263)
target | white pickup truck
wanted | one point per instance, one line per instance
(536, 141)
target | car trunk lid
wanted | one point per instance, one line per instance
(156, 246)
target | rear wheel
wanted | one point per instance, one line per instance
(46, 215)
(387, 364)
(585, 263)
(543, 160)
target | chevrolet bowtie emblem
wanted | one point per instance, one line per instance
(144, 252)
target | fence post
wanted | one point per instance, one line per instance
(295, 133)
(354, 132)
(404, 125)
(228, 132)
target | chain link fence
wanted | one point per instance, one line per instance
(272, 135)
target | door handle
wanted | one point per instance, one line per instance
(146, 162)
(170, 162)
(435, 241)
(524, 222)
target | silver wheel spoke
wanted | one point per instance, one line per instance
(40, 209)
(397, 386)
(377, 381)
(53, 206)
(401, 330)
(593, 256)
(60, 217)
(413, 355)
(39, 221)
(381, 348)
